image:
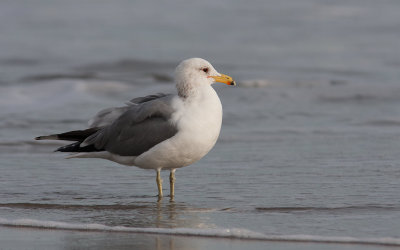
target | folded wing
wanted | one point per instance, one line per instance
(141, 126)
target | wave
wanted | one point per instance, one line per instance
(381, 123)
(359, 94)
(57, 76)
(233, 233)
(329, 209)
(54, 206)
(258, 83)
(128, 65)
(105, 207)
(57, 94)
(71, 206)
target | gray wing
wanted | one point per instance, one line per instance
(107, 116)
(138, 129)
(139, 100)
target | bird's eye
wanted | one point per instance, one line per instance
(205, 70)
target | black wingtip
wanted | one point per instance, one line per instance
(47, 137)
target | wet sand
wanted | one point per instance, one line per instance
(29, 238)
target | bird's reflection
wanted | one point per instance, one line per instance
(171, 214)
(163, 242)
(160, 214)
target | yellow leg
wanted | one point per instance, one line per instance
(172, 183)
(159, 184)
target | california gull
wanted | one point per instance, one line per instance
(161, 131)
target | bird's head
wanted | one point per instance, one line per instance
(198, 72)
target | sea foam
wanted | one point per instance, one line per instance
(232, 233)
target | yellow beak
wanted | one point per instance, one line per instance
(224, 79)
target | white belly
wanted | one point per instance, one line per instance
(199, 125)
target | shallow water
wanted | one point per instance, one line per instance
(310, 138)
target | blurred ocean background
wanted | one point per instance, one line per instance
(310, 139)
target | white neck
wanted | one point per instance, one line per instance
(191, 89)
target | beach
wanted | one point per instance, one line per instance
(307, 157)
(23, 238)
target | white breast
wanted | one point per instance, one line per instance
(199, 124)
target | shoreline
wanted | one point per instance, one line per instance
(195, 233)
(32, 238)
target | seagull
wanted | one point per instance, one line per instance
(160, 131)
